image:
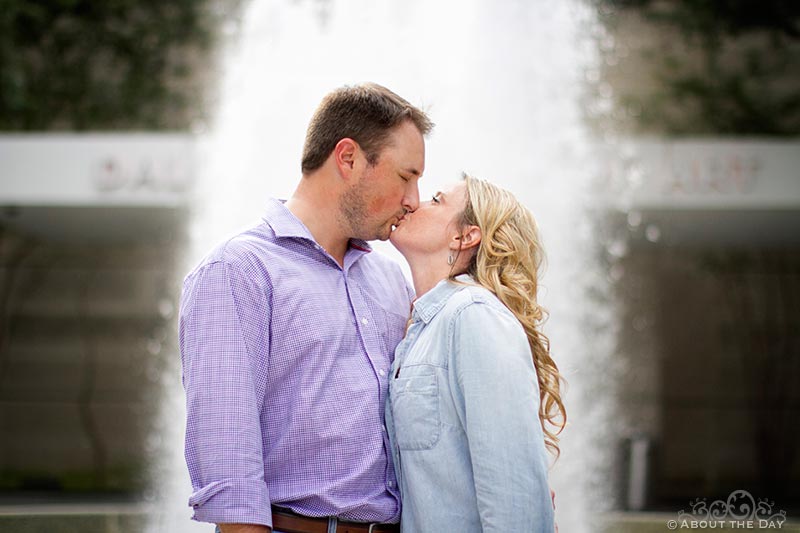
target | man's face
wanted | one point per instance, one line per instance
(386, 191)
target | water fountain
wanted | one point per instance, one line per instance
(504, 82)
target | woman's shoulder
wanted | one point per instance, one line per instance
(475, 302)
(479, 323)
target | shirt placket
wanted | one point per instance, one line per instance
(370, 339)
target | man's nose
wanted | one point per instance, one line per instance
(411, 198)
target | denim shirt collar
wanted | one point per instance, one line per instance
(285, 224)
(430, 303)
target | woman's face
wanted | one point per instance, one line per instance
(431, 228)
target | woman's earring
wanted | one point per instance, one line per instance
(451, 259)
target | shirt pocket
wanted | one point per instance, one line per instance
(393, 331)
(415, 407)
(390, 324)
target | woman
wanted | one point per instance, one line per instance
(474, 370)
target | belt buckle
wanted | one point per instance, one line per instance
(371, 527)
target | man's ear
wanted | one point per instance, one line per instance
(345, 156)
(469, 238)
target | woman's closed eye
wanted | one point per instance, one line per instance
(435, 198)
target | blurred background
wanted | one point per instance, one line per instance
(655, 141)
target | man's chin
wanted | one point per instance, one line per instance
(379, 235)
(385, 234)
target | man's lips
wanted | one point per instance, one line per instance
(399, 221)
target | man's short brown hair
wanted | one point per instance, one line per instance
(365, 113)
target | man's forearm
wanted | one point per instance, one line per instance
(244, 528)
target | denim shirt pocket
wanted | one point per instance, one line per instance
(415, 407)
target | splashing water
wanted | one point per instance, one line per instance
(503, 82)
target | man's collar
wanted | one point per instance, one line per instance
(286, 225)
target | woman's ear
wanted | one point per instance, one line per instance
(469, 238)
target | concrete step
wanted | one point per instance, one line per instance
(74, 518)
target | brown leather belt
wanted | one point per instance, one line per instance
(288, 522)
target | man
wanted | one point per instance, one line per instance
(287, 333)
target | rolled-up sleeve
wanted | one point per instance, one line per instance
(497, 398)
(224, 339)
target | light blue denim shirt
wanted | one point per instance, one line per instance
(463, 418)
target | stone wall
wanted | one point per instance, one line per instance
(711, 340)
(85, 330)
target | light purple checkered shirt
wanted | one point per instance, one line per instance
(286, 357)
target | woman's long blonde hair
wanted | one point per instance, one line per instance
(507, 263)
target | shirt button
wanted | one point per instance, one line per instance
(382, 372)
(383, 428)
(364, 321)
(391, 484)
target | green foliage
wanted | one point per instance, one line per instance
(718, 18)
(110, 64)
(748, 82)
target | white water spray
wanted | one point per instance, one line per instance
(503, 82)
